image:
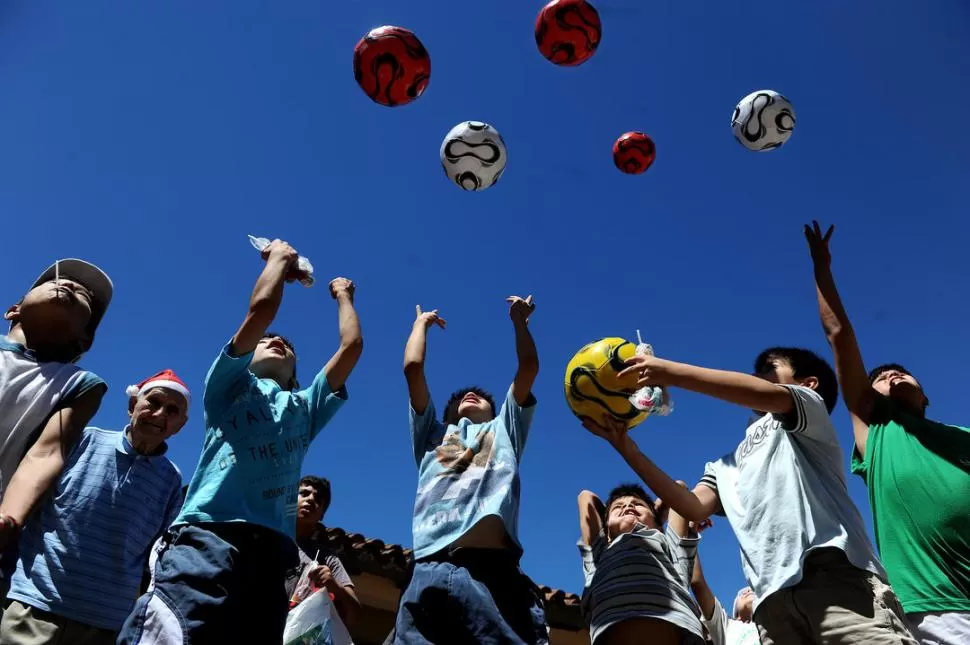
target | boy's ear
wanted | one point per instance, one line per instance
(811, 382)
(13, 314)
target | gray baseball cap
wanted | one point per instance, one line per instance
(96, 280)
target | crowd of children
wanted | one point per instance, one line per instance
(84, 511)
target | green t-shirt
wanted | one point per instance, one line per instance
(918, 475)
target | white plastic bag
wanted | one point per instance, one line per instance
(260, 243)
(315, 622)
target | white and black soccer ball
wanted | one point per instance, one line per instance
(763, 120)
(473, 155)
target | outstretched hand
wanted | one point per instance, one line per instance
(428, 318)
(650, 370)
(614, 430)
(818, 244)
(340, 286)
(521, 308)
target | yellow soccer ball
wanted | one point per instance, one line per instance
(592, 387)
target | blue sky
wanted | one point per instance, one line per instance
(151, 138)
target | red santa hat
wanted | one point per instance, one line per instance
(166, 379)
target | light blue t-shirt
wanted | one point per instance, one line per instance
(467, 472)
(83, 552)
(256, 436)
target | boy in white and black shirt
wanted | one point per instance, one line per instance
(805, 552)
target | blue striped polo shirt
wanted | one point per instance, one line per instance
(83, 552)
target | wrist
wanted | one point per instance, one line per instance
(344, 297)
(625, 446)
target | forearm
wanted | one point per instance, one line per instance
(347, 604)
(835, 320)
(264, 303)
(414, 351)
(704, 597)
(35, 475)
(525, 349)
(745, 390)
(675, 496)
(350, 334)
(590, 514)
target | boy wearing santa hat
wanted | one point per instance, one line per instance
(221, 571)
(45, 398)
(83, 552)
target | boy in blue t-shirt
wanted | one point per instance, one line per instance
(220, 573)
(466, 586)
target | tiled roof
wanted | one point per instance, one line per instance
(360, 554)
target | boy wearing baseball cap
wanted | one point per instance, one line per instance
(45, 399)
(83, 552)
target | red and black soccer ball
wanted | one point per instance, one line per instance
(391, 66)
(568, 31)
(634, 152)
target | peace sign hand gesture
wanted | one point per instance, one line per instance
(818, 244)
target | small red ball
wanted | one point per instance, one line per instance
(568, 31)
(634, 152)
(391, 66)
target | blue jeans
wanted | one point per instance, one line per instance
(471, 597)
(215, 583)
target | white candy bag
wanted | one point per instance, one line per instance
(315, 622)
(260, 243)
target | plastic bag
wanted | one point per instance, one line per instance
(315, 622)
(304, 266)
(651, 399)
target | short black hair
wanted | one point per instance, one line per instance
(322, 486)
(288, 343)
(804, 363)
(888, 367)
(450, 415)
(626, 490)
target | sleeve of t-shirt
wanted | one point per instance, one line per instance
(323, 402)
(810, 417)
(709, 479)
(426, 431)
(590, 554)
(338, 572)
(684, 551)
(881, 413)
(85, 382)
(517, 420)
(227, 378)
(717, 625)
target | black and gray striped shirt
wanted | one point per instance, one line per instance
(641, 574)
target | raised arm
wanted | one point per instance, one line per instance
(590, 517)
(696, 506)
(702, 591)
(414, 353)
(849, 367)
(340, 365)
(267, 295)
(525, 348)
(45, 460)
(745, 390)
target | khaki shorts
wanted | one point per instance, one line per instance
(26, 625)
(834, 603)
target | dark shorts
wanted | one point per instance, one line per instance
(214, 583)
(473, 597)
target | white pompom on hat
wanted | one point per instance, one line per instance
(164, 379)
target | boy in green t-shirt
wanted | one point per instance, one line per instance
(917, 472)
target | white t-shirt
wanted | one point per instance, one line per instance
(30, 391)
(728, 631)
(785, 494)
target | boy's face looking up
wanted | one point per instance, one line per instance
(743, 605)
(61, 307)
(309, 505)
(901, 386)
(274, 359)
(156, 415)
(474, 407)
(625, 512)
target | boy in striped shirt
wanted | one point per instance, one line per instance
(82, 553)
(637, 572)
